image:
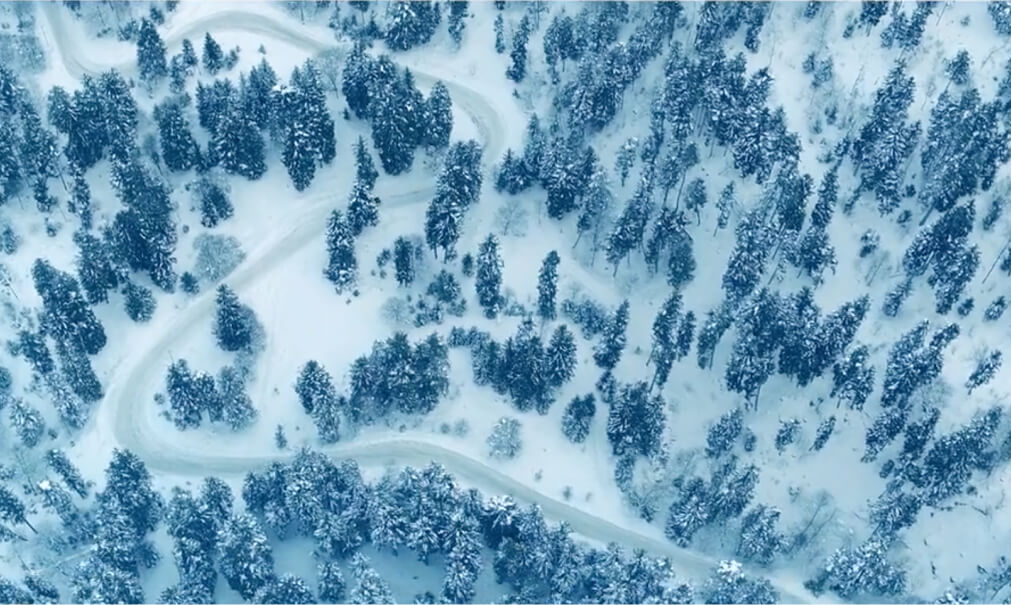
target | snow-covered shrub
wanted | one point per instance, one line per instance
(217, 256)
(504, 441)
(589, 315)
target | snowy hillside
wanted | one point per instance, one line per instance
(370, 302)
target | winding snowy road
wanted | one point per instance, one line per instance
(133, 378)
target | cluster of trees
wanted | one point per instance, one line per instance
(398, 376)
(672, 338)
(191, 394)
(700, 503)
(912, 364)
(523, 368)
(402, 119)
(807, 345)
(126, 511)
(68, 320)
(943, 249)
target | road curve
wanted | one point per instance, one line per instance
(133, 377)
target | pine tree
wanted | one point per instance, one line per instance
(285, 589)
(394, 112)
(369, 586)
(65, 469)
(178, 147)
(319, 399)
(725, 204)
(518, 68)
(560, 357)
(213, 58)
(81, 199)
(236, 409)
(235, 325)
(985, 370)
(608, 351)
(305, 125)
(186, 395)
(457, 14)
(247, 560)
(365, 169)
(403, 261)
(577, 417)
(724, 433)
(760, 539)
(331, 583)
(150, 54)
(138, 302)
(630, 228)
(728, 584)
(489, 277)
(410, 24)
(342, 266)
(499, 35)
(214, 204)
(363, 209)
(237, 144)
(824, 432)
(596, 202)
(457, 189)
(144, 234)
(95, 267)
(438, 116)
(27, 422)
(635, 422)
(547, 286)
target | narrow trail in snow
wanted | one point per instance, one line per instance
(128, 390)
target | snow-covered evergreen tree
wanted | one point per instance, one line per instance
(150, 53)
(547, 286)
(489, 277)
(342, 266)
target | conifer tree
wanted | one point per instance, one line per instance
(178, 147)
(342, 266)
(365, 169)
(403, 261)
(213, 58)
(518, 68)
(608, 351)
(577, 417)
(247, 560)
(235, 325)
(457, 189)
(138, 302)
(237, 144)
(547, 287)
(439, 116)
(363, 209)
(95, 267)
(985, 371)
(489, 277)
(560, 357)
(150, 54)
